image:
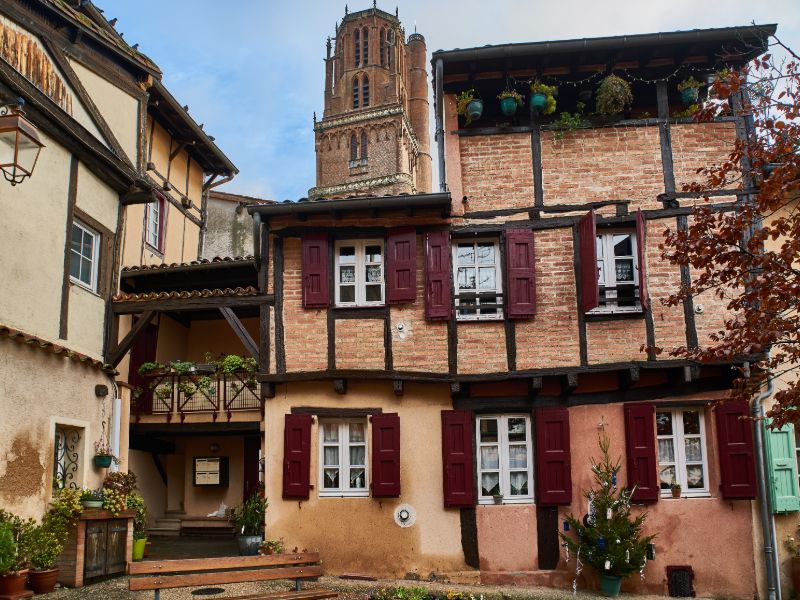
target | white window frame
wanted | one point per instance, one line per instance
(504, 469)
(344, 490)
(498, 291)
(679, 450)
(157, 208)
(94, 259)
(608, 273)
(360, 268)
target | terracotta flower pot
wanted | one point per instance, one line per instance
(796, 574)
(42, 582)
(12, 585)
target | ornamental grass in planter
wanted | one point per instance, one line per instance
(249, 522)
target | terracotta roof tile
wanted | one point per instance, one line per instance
(42, 344)
(202, 261)
(215, 293)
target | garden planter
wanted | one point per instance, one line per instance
(248, 544)
(610, 585)
(102, 461)
(42, 582)
(508, 106)
(12, 585)
(796, 575)
(138, 549)
(676, 493)
(475, 109)
(498, 499)
(689, 96)
(92, 503)
(538, 101)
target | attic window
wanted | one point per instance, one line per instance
(357, 46)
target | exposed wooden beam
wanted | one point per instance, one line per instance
(121, 349)
(397, 384)
(240, 331)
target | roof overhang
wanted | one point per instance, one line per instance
(433, 201)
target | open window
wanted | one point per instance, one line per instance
(478, 279)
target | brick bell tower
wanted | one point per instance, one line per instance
(373, 139)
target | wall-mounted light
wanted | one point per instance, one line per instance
(213, 448)
(19, 143)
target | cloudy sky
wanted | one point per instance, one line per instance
(252, 70)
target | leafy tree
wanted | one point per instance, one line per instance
(748, 254)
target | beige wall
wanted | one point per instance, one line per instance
(150, 484)
(358, 534)
(200, 501)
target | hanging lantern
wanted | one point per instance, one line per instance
(19, 143)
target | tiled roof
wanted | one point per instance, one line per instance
(47, 346)
(202, 261)
(215, 293)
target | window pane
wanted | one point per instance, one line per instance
(486, 253)
(488, 430)
(667, 477)
(373, 293)
(331, 456)
(347, 255)
(330, 432)
(88, 242)
(466, 254)
(347, 293)
(601, 276)
(373, 273)
(624, 269)
(694, 477)
(86, 271)
(666, 451)
(347, 274)
(486, 278)
(490, 484)
(664, 423)
(691, 422)
(693, 450)
(331, 478)
(519, 483)
(517, 457)
(490, 457)
(357, 432)
(77, 234)
(373, 253)
(358, 481)
(466, 279)
(516, 429)
(75, 266)
(623, 245)
(358, 455)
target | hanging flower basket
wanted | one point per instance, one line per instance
(509, 101)
(475, 109)
(103, 461)
(543, 99)
(689, 89)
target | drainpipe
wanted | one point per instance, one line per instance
(767, 518)
(116, 422)
(440, 122)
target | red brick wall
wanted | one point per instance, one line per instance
(615, 340)
(359, 344)
(663, 279)
(481, 347)
(697, 145)
(551, 339)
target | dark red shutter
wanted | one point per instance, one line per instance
(296, 456)
(641, 256)
(735, 441)
(521, 274)
(386, 455)
(401, 265)
(314, 261)
(640, 450)
(553, 465)
(438, 303)
(457, 458)
(587, 238)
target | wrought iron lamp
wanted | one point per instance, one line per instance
(19, 143)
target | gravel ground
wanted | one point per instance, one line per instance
(117, 589)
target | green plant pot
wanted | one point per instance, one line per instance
(610, 585)
(475, 109)
(102, 461)
(538, 101)
(138, 548)
(689, 96)
(92, 503)
(508, 106)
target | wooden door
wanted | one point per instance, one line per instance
(115, 546)
(95, 549)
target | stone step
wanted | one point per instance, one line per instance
(169, 521)
(163, 532)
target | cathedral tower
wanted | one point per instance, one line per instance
(373, 138)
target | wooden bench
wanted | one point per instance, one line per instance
(167, 574)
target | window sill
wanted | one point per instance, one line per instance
(698, 495)
(605, 314)
(506, 501)
(344, 494)
(80, 285)
(153, 250)
(489, 318)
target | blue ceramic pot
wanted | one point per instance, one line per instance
(538, 101)
(689, 96)
(475, 109)
(508, 106)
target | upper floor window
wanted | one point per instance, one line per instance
(383, 47)
(364, 146)
(682, 457)
(365, 91)
(617, 271)
(357, 46)
(359, 273)
(84, 256)
(365, 41)
(389, 47)
(505, 457)
(353, 148)
(478, 280)
(355, 91)
(343, 457)
(154, 223)
(67, 457)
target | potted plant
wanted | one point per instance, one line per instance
(103, 456)
(468, 106)
(272, 547)
(794, 552)
(116, 487)
(509, 101)
(543, 99)
(613, 95)
(249, 522)
(689, 89)
(135, 502)
(676, 489)
(45, 544)
(498, 498)
(92, 498)
(14, 554)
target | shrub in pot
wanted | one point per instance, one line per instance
(46, 543)
(136, 503)
(14, 555)
(249, 522)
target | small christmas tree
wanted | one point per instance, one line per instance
(608, 538)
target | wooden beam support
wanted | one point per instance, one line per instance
(178, 148)
(340, 386)
(397, 385)
(535, 385)
(121, 349)
(570, 381)
(455, 387)
(240, 331)
(268, 389)
(131, 307)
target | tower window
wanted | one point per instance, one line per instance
(383, 47)
(355, 91)
(353, 148)
(366, 45)
(357, 44)
(365, 92)
(363, 145)
(389, 44)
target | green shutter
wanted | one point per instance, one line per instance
(783, 469)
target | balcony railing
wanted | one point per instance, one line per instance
(170, 393)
